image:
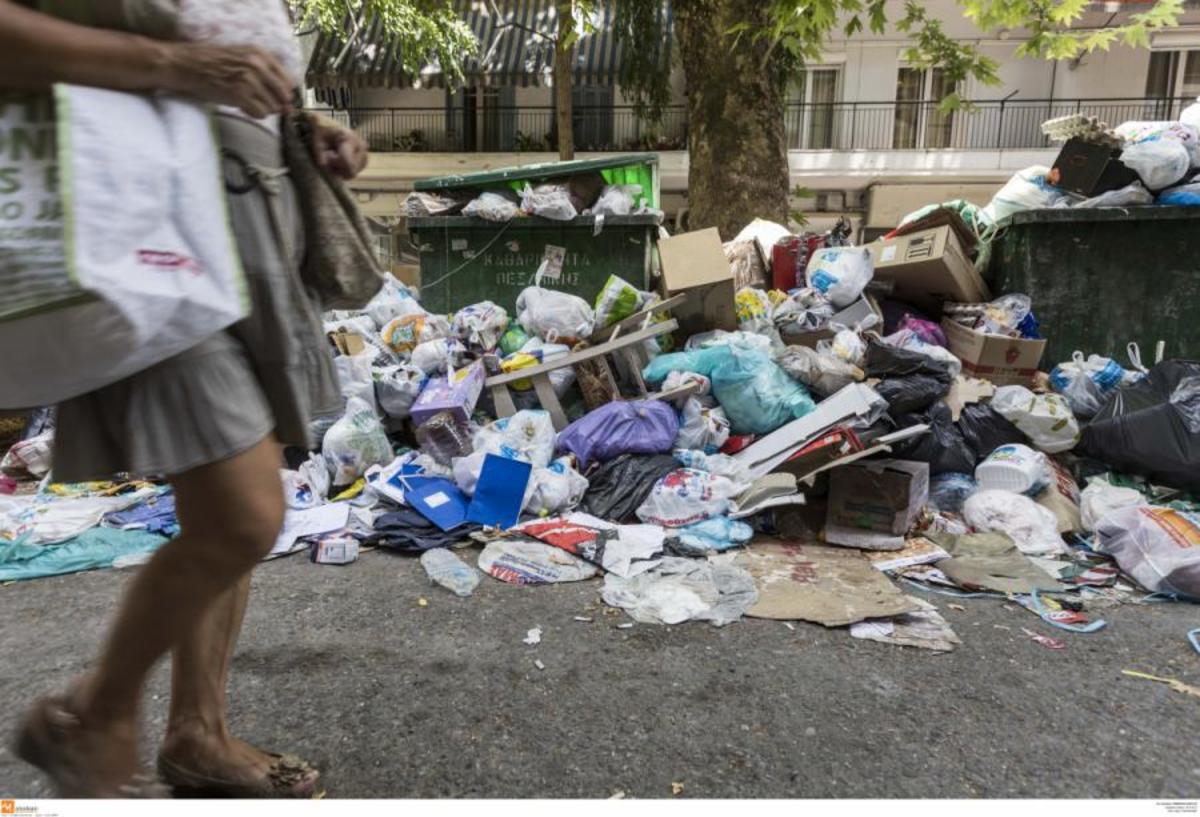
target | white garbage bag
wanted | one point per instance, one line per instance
(527, 435)
(701, 428)
(555, 317)
(1101, 498)
(397, 388)
(355, 443)
(685, 496)
(1159, 163)
(840, 273)
(492, 207)
(1046, 419)
(1026, 190)
(551, 201)
(1032, 528)
(1159, 547)
(555, 489)
(355, 378)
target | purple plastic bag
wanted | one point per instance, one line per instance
(623, 427)
(927, 331)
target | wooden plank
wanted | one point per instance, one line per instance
(549, 400)
(503, 400)
(636, 320)
(630, 353)
(675, 395)
(586, 354)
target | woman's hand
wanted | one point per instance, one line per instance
(337, 149)
(244, 77)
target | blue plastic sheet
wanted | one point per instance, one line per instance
(92, 550)
(757, 395)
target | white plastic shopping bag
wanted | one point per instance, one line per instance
(115, 250)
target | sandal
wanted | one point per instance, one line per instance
(288, 778)
(45, 740)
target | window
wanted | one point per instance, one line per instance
(1172, 75)
(592, 117)
(918, 121)
(481, 118)
(814, 99)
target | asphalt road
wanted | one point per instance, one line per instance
(393, 699)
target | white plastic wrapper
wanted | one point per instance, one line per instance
(355, 443)
(551, 201)
(908, 339)
(822, 371)
(527, 435)
(701, 428)
(840, 273)
(1046, 419)
(616, 200)
(527, 561)
(1032, 528)
(555, 489)
(355, 379)
(392, 301)
(437, 356)
(555, 317)
(1026, 190)
(846, 345)
(397, 388)
(1159, 163)
(308, 485)
(492, 207)
(33, 455)
(1100, 498)
(685, 496)
(679, 590)
(480, 325)
(721, 465)
(1159, 547)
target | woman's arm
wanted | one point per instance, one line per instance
(37, 50)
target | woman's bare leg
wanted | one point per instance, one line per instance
(230, 513)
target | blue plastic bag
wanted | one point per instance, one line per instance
(757, 395)
(623, 427)
(948, 491)
(718, 533)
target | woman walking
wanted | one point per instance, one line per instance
(211, 419)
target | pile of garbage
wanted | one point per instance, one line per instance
(836, 434)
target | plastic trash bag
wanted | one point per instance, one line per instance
(556, 317)
(1159, 547)
(308, 485)
(492, 206)
(1046, 419)
(527, 435)
(1175, 131)
(948, 491)
(355, 378)
(397, 388)
(480, 325)
(33, 455)
(1033, 529)
(355, 443)
(556, 488)
(618, 487)
(720, 533)
(722, 465)
(1100, 498)
(845, 345)
(701, 428)
(840, 273)
(910, 340)
(439, 356)
(513, 339)
(823, 372)
(516, 560)
(757, 395)
(1026, 190)
(616, 200)
(405, 333)
(1186, 195)
(1004, 315)
(1131, 195)
(552, 201)
(984, 429)
(753, 308)
(911, 382)
(1191, 114)
(1159, 163)
(1086, 384)
(617, 300)
(622, 427)
(686, 496)
(1152, 427)
(680, 589)
(392, 301)
(805, 310)
(535, 352)
(927, 332)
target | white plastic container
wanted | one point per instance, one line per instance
(1013, 467)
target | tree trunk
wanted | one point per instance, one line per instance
(564, 44)
(737, 146)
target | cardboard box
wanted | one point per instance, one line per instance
(927, 268)
(851, 316)
(348, 343)
(1003, 360)
(882, 496)
(695, 264)
(457, 393)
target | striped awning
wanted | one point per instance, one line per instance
(510, 53)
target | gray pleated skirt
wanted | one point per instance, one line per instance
(272, 372)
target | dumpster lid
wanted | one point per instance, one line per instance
(1133, 212)
(542, 170)
(446, 222)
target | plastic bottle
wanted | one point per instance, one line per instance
(446, 569)
(443, 437)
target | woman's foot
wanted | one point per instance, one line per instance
(227, 765)
(83, 759)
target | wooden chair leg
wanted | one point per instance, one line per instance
(503, 401)
(549, 400)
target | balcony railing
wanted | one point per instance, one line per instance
(921, 125)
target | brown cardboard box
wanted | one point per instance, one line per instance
(928, 267)
(884, 496)
(1003, 360)
(348, 343)
(695, 263)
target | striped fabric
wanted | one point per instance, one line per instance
(509, 52)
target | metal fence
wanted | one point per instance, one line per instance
(922, 125)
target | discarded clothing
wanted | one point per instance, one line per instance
(409, 532)
(91, 550)
(155, 515)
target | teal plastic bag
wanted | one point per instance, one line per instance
(93, 549)
(757, 395)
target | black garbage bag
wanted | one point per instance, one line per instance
(619, 486)
(984, 429)
(911, 382)
(1152, 427)
(944, 447)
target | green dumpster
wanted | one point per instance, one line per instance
(1102, 277)
(466, 260)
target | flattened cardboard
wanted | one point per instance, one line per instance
(695, 264)
(348, 343)
(1003, 360)
(929, 267)
(991, 561)
(829, 585)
